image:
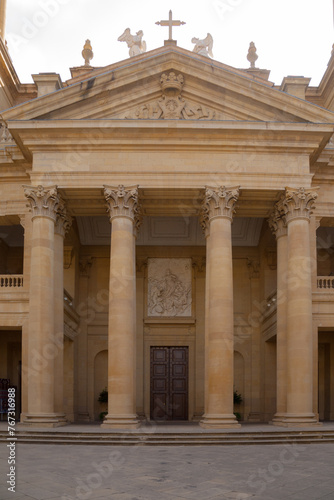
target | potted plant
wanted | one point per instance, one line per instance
(237, 400)
(103, 399)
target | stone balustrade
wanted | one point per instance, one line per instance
(11, 281)
(68, 299)
(325, 282)
(272, 299)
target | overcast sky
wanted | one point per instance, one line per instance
(293, 37)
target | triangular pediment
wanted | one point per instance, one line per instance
(133, 90)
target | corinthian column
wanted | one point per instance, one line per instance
(124, 216)
(297, 208)
(278, 226)
(42, 347)
(216, 217)
(63, 224)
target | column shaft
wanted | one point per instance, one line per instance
(59, 323)
(42, 344)
(121, 332)
(41, 323)
(3, 8)
(281, 344)
(81, 345)
(63, 223)
(297, 207)
(27, 224)
(255, 382)
(299, 324)
(219, 346)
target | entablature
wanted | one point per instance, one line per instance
(86, 140)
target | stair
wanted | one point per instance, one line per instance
(200, 438)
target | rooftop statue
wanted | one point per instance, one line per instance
(203, 47)
(135, 43)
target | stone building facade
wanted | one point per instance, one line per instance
(167, 232)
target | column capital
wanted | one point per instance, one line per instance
(43, 202)
(253, 268)
(298, 203)
(85, 263)
(218, 202)
(22, 218)
(141, 264)
(63, 220)
(123, 202)
(199, 264)
(317, 222)
(277, 220)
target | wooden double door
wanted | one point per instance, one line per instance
(169, 383)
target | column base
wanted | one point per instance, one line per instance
(295, 420)
(198, 416)
(227, 421)
(120, 422)
(44, 420)
(277, 418)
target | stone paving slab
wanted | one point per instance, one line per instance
(67, 472)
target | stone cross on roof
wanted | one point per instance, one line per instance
(170, 23)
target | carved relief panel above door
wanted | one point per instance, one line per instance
(169, 288)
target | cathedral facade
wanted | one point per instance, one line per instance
(167, 236)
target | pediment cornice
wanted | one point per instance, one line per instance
(122, 89)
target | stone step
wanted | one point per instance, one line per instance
(177, 443)
(179, 433)
(170, 439)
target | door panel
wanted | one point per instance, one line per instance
(159, 382)
(169, 383)
(178, 404)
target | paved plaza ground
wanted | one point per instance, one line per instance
(270, 472)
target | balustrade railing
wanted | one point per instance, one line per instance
(68, 299)
(325, 282)
(11, 281)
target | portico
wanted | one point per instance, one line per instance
(150, 186)
(203, 331)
